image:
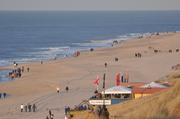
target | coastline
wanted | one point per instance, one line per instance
(110, 41)
(79, 72)
(101, 44)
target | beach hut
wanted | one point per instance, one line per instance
(153, 85)
(118, 94)
(113, 95)
(142, 92)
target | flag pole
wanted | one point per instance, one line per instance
(104, 78)
(97, 87)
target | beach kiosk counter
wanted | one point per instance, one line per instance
(113, 95)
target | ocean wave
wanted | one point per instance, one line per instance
(91, 44)
(108, 42)
(5, 62)
(47, 50)
(54, 48)
(47, 53)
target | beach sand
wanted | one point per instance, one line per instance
(39, 85)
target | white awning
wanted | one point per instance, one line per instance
(153, 85)
(118, 90)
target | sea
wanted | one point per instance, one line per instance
(28, 36)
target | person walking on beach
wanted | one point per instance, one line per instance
(4, 94)
(22, 107)
(34, 107)
(28, 69)
(50, 113)
(57, 89)
(67, 88)
(22, 69)
(105, 64)
(122, 79)
(29, 107)
(65, 110)
(25, 108)
(0, 95)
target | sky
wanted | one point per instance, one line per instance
(87, 5)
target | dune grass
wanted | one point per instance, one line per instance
(164, 105)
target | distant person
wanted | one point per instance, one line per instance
(34, 107)
(96, 91)
(25, 108)
(0, 95)
(67, 88)
(47, 117)
(91, 49)
(65, 110)
(177, 50)
(50, 113)
(136, 55)
(170, 51)
(139, 55)
(15, 64)
(116, 59)
(105, 64)
(57, 89)
(22, 69)
(28, 69)
(155, 51)
(4, 94)
(41, 62)
(29, 107)
(122, 79)
(22, 107)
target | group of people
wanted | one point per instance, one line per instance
(28, 108)
(138, 55)
(80, 108)
(176, 67)
(67, 109)
(170, 50)
(50, 116)
(124, 78)
(76, 54)
(2, 95)
(58, 89)
(17, 73)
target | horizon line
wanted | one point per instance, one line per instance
(91, 10)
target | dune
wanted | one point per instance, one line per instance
(164, 105)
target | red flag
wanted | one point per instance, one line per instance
(96, 81)
(117, 79)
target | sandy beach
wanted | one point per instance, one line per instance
(39, 84)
